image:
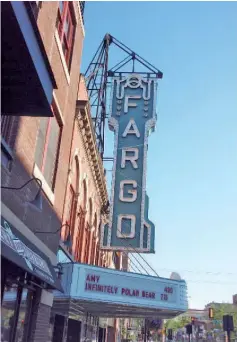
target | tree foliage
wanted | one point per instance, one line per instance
(219, 310)
(177, 322)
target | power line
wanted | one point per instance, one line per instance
(205, 272)
(187, 280)
(210, 282)
(200, 272)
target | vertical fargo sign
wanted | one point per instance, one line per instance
(132, 118)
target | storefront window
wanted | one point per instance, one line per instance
(7, 314)
(24, 317)
(15, 315)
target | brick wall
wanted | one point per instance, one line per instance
(86, 179)
(86, 226)
(24, 136)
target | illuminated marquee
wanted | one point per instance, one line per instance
(114, 293)
(132, 119)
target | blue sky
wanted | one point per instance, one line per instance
(192, 157)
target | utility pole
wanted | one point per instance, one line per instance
(189, 331)
(145, 331)
(228, 335)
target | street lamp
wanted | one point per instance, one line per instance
(37, 202)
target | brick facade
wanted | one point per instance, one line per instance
(24, 132)
(88, 198)
(79, 171)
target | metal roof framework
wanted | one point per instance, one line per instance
(99, 75)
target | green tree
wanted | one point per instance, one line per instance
(177, 322)
(219, 310)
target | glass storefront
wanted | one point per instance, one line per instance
(16, 305)
(7, 315)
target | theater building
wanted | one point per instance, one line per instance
(57, 282)
(85, 211)
(51, 198)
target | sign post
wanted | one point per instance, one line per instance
(145, 331)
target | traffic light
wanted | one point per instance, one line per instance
(228, 324)
(211, 313)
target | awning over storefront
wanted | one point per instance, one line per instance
(16, 248)
(27, 77)
(111, 293)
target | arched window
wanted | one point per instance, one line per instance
(93, 244)
(101, 259)
(81, 223)
(84, 198)
(90, 218)
(76, 187)
(97, 256)
(70, 208)
(73, 190)
(95, 222)
(88, 234)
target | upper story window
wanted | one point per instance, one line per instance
(87, 244)
(71, 207)
(93, 251)
(47, 148)
(9, 132)
(66, 29)
(82, 8)
(9, 129)
(71, 213)
(97, 255)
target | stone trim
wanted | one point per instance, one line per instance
(86, 128)
(80, 18)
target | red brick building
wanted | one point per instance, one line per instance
(48, 150)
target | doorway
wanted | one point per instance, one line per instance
(73, 330)
(58, 328)
(101, 335)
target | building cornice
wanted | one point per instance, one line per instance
(80, 17)
(89, 141)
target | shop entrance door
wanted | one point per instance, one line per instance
(102, 333)
(73, 330)
(58, 328)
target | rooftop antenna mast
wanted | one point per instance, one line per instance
(98, 75)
